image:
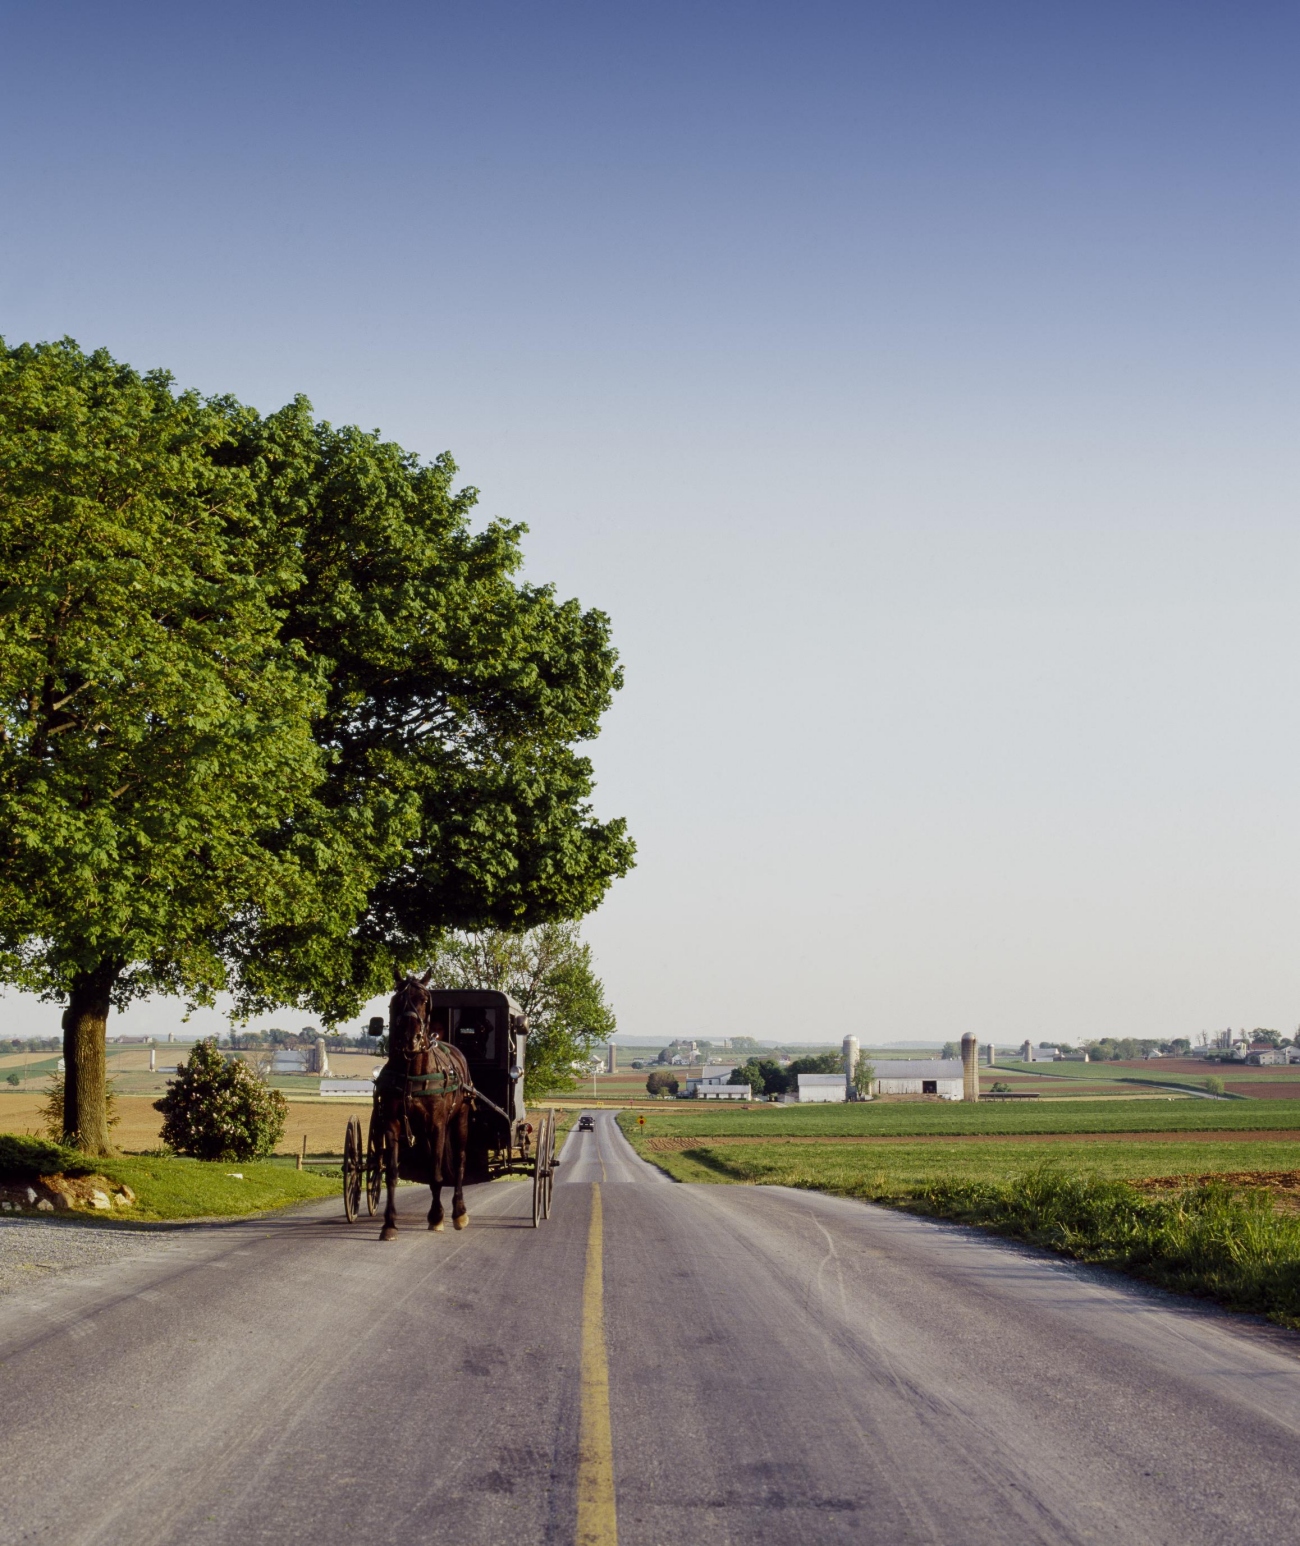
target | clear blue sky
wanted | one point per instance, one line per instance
(915, 385)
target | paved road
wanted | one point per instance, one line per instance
(775, 1367)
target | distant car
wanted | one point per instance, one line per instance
(585, 1125)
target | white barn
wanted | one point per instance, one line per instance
(905, 1076)
(820, 1087)
(721, 1091)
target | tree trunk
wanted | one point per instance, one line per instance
(85, 1056)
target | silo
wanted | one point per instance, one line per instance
(611, 1059)
(850, 1066)
(970, 1067)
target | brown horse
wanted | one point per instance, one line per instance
(424, 1096)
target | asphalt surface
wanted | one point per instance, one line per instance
(782, 1368)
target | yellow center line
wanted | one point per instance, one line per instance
(597, 1515)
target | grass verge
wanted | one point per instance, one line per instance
(1212, 1239)
(1147, 1209)
(170, 1188)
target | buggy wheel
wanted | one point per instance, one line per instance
(352, 1166)
(539, 1174)
(374, 1169)
(550, 1164)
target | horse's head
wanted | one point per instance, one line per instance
(408, 1013)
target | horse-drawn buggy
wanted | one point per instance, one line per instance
(448, 1105)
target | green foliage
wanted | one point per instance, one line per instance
(155, 728)
(272, 716)
(218, 1109)
(817, 1063)
(1114, 1048)
(549, 972)
(1273, 1038)
(951, 1049)
(24, 1158)
(1000, 1087)
(864, 1076)
(14, 1079)
(1213, 1084)
(661, 1082)
(454, 797)
(764, 1076)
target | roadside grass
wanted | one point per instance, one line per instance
(170, 1188)
(1211, 1240)
(1224, 1239)
(887, 1119)
(173, 1188)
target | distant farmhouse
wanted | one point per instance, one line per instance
(712, 1084)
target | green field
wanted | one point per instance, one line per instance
(888, 1119)
(1063, 1075)
(895, 1172)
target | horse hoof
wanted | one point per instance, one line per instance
(461, 1221)
(438, 1227)
(388, 1232)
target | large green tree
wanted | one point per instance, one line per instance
(273, 717)
(549, 972)
(455, 698)
(155, 725)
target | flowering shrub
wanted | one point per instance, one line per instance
(217, 1109)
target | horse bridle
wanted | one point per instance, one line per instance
(419, 1041)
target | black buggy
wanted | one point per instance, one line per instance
(491, 1032)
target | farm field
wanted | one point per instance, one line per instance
(895, 1171)
(1238, 1078)
(322, 1121)
(885, 1118)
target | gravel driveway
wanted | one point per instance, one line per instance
(32, 1250)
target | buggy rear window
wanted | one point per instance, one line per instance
(474, 1031)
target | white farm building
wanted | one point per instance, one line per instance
(902, 1076)
(712, 1084)
(820, 1087)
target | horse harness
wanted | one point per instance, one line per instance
(445, 1079)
